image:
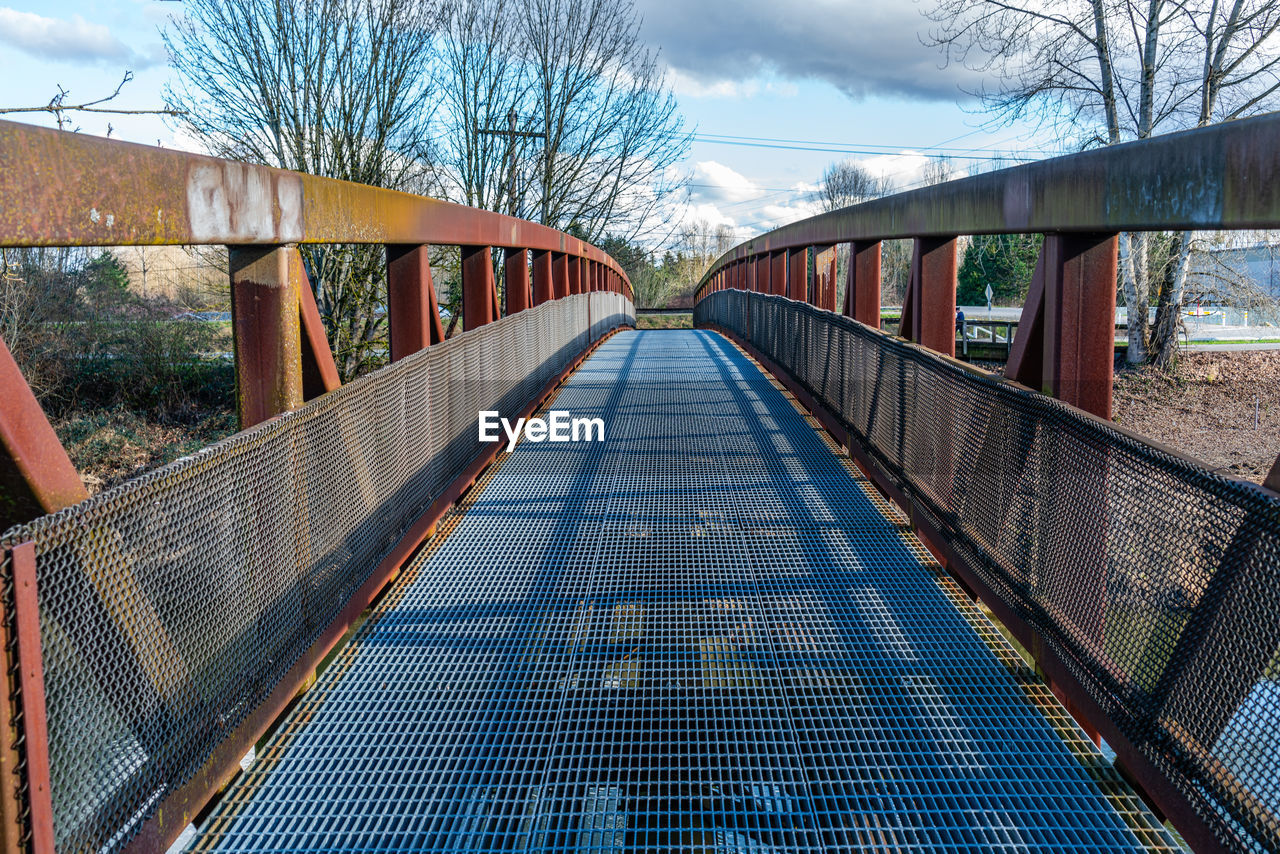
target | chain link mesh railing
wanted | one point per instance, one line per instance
(173, 604)
(1154, 579)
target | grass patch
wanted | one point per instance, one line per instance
(108, 446)
(674, 320)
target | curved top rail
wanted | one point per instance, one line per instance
(78, 190)
(1224, 176)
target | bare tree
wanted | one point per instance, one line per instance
(937, 170)
(1107, 71)
(480, 81)
(846, 183)
(329, 87)
(698, 244)
(611, 129)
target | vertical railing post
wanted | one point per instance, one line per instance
(575, 275)
(933, 283)
(862, 287)
(412, 310)
(516, 275)
(797, 274)
(544, 289)
(832, 288)
(35, 722)
(1065, 345)
(265, 321)
(1080, 319)
(818, 295)
(560, 274)
(778, 273)
(479, 291)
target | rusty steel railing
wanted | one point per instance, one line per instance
(904, 408)
(1223, 177)
(562, 296)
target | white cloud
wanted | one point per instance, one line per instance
(716, 182)
(692, 86)
(74, 40)
(903, 169)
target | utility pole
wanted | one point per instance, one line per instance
(512, 135)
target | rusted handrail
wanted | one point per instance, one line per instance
(68, 189)
(65, 189)
(1222, 177)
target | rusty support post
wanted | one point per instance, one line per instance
(13, 807)
(412, 310)
(479, 292)
(818, 293)
(832, 286)
(862, 289)
(1065, 345)
(798, 274)
(933, 284)
(319, 372)
(516, 273)
(36, 474)
(35, 722)
(778, 273)
(575, 275)
(560, 274)
(1080, 319)
(265, 320)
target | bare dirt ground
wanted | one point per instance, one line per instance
(1206, 408)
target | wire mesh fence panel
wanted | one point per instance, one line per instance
(1156, 580)
(701, 633)
(172, 605)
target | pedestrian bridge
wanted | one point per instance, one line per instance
(756, 616)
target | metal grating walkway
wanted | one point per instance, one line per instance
(705, 633)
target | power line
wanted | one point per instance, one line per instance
(889, 148)
(862, 151)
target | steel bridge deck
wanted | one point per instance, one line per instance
(704, 633)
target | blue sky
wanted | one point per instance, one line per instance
(849, 75)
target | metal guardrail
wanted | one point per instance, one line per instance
(1221, 177)
(1146, 586)
(1036, 520)
(157, 629)
(172, 606)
